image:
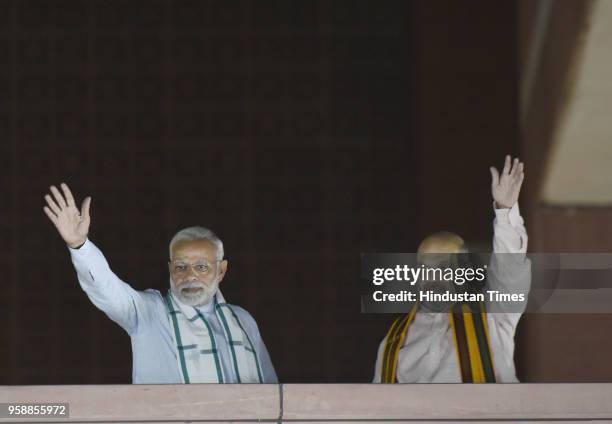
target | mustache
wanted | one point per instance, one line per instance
(192, 285)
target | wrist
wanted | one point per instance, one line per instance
(498, 205)
(77, 245)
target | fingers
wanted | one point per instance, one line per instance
(520, 177)
(494, 176)
(51, 215)
(85, 209)
(58, 197)
(517, 169)
(52, 205)
(67, 194)
(512, 167)
(515, 165)
(506, 169)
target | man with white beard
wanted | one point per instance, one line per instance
(190, 335)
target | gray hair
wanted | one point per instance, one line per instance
(198, 233)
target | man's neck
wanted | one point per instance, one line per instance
(207, 307)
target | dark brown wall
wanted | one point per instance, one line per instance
(560, 348)
(466, 113)
(304, 133)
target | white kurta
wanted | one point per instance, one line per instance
(429, 354)
(144, 316)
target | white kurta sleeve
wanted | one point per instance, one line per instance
(509, 233)
(509, 269)
(122, 304)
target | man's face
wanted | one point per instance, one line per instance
(437, 285)
(195, 272)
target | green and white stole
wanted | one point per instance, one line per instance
(197, 350)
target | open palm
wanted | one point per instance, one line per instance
(72, 224)
(507, 186)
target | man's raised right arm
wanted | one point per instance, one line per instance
(107, 292)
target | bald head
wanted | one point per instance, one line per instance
(437, 248)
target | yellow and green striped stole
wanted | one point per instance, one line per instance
(471, 336)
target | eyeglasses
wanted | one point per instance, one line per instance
(201, 268)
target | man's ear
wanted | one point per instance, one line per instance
(222, 269)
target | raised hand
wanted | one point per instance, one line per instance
(72, 224)
(507, 186)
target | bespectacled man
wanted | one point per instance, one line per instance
(190, 334)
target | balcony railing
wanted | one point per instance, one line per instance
(320, 402)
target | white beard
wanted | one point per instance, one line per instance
(196, 299)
